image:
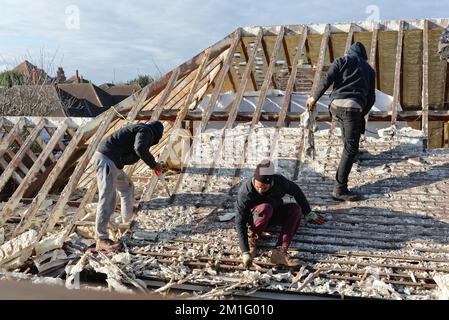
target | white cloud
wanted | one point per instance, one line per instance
(131, 36)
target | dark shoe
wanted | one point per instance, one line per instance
(345, 196)
(252, 244)
(279, 256)
(108, 245)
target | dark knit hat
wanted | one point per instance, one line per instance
(264, 172)
(158, 130)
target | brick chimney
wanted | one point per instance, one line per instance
(60, 75)
(77, 77)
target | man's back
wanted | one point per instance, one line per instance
(127, 145)
(353, 78)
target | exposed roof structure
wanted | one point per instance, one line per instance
(393, 244)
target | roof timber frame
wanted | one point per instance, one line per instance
(174, 98)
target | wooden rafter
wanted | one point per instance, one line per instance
(248, 61)
(350, 38)
(15, 198)
(319, 69)
(234, 107)
(263, 94)
(24, 149)
(76, 175)
(425, 84)
(210, 106)
(397, 75)
(148, 192)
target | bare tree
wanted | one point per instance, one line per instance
(37, 95)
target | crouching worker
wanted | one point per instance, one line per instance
(123, 147)
(260, 204)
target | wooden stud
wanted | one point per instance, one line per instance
(425, 85)
(397, 75)
(373, 50)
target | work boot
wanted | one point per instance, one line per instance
(345, 195)
(279, 256)
(252, 244)
(108, 245)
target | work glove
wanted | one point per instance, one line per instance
(247, 259)
(311, 103)
(159, 169)
(315, 218)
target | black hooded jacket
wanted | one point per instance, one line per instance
(248, 198)
(353, 78)
(131, 143)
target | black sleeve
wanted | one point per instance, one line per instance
(142, 144)
(327, 80)
(241, 222)
(294, 190)
(371, 93)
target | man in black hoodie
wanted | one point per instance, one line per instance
(352, 98)
(123, 147)
(260, 205)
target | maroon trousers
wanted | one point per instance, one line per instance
(288, 217)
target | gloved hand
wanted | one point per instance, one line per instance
(315, 218)
(159, 169)
(247, 259)
(311, 103)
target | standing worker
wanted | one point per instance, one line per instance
(260, 204)
(123, 147)
(352, 98)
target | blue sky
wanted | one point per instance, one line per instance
(126, 38)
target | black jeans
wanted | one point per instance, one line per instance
(352, 124)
